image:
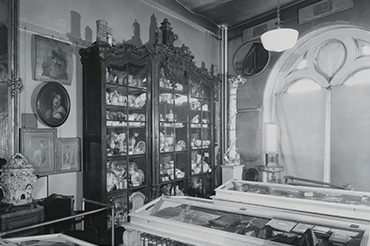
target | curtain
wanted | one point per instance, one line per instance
(301, 120)
(350, 142)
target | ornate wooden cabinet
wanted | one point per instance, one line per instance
(116, 131)
(183, 120)
(148, 122)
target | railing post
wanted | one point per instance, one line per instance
(113, 219)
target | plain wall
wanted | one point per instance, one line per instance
(250, 95)
(74, 21)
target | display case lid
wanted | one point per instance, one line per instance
(334, 202)
(199, 221)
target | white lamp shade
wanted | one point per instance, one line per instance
(279, 39)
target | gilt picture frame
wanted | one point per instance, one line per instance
(38, 145)
(54, 60)
(69, 155)
(10, 83)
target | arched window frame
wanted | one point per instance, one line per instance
(284, 72)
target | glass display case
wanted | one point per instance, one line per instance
(202, 140)
(336, 202)
(126, 123)
(173, 133)
(148, 123)
(199, 221)
(183, 114)
(186, 128)
(116, 127)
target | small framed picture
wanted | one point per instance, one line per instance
(53, 104)
(69, 157)
(38, 145)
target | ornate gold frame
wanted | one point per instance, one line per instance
(10, 142)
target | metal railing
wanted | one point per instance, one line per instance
(83, 214)
(309, 182)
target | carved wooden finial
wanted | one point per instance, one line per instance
(168, 36)
(15, 84)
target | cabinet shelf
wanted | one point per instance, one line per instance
(116, 155)
(134, 108)
(173, 152)
(200, 174)
(113, 85)
(117, 158)
(166, 90)
(173, 181)
(200, 148)
(201, 98)
(136, 88)
(136, 155)
(116, 107)
(200, 125)
(120, 125)
(128, 189)
(200, 111)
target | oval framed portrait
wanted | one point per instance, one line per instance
(53, 104)
(250, 59)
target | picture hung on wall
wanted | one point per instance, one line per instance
(69, 155)
(53, 104)
(53, 60)
(38, 145)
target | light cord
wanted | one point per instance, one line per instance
(278, 13)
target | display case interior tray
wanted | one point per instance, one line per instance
(344, 203)
(200, 221)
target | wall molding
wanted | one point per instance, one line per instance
(32, 28)
(198, 23)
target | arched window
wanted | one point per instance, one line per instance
(318, 96)
(302, 86)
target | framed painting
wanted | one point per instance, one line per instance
(38, 145)
(10, 84)
(69, 155)
(53, 104)
(53, 60)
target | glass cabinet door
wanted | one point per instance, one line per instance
(173, 135)
(201, 137)
(127, 115)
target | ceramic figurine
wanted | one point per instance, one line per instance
(195, 119)
(178, 191)
(140, 100)
(132, 142)
(107, 98)
(122, 100)
(120, 142)
(179, 87)
(114, 97)
(111, 140)
(170, 116)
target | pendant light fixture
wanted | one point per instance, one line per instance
(279, 39)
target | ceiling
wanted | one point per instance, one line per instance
(233, 13)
